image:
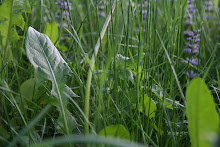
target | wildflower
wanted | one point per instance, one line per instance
(101, 12)
(209, 9)
(144, 12)
(101, 8)
(189, 15)
(143, 9)
(190, 74)
(63, 5)
(208, 6)
(193, 39)
(66, 8)
(193, 61)
(65, 15)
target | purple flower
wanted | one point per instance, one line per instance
(208, 6)
(195, 46)
(188, 44)
(102, 14)
(189, 33)
(190, 74)
(193, 39)
(193, 61)
(188, 50)
(57, 15)
(192, 45)
(64, 5)
(190, 39)
(195, 51)
(190, 13)
(101, 8)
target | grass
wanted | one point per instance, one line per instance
(109, 84)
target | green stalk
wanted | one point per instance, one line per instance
(173, 69)
(89, 79)
(4, 74)
(41, 14)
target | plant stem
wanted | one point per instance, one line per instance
(89, 79)
(41, 14)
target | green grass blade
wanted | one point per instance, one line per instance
(92, 64)
(87, 140)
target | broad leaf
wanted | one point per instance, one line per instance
(203, 119)
(49, 65)
(125, 65)
(126, 75)
(70, 120)
(10, 17)
(147, 106)
(128, 63)
(27, 89)
(46, 59)
(51, 30)
(22, 5)
(117, 131)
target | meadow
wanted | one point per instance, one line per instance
(110, 73)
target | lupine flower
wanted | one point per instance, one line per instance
(101, 12)
(63, 5)
(143, 7)
(189, 15)
(208, 6)
(190, 74)
(144, 13)
(66, 8)
(65, 15)
(193, 61)
(101, 7)
(209, 9)
(193, 39)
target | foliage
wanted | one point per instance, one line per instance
(71, 73)
(203, 119)
(49, 65)
(147, 106)
(117, 131)
(10, 17)
(51, 30)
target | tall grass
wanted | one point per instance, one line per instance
(151, 36)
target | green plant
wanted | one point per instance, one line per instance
(203, 119)
(74, 76)
(49, 65)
